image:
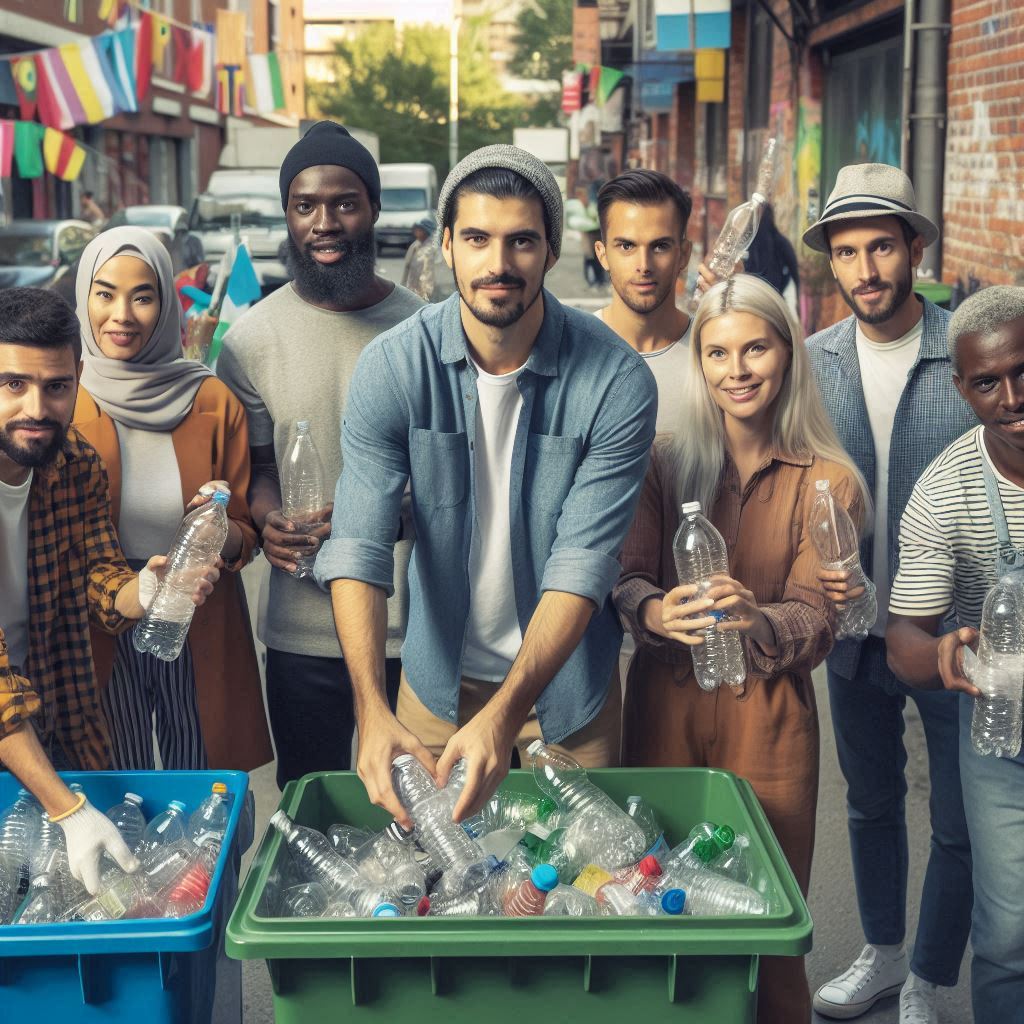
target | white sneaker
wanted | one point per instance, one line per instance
(873, 976)
(917, 1002)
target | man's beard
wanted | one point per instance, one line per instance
(901, 288)
(335, 283)
(498, 316)
(35, 454)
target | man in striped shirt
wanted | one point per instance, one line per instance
(963, 528)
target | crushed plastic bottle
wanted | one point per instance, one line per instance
(640, 877)
(127, 816)
(838, 545)
(643, 814)
(998, 671)
(196, 548)
(567, 901)
(700, 554)
(306, 900)
(347, 839)
(463, 863)
(742, 223)
(389, 859)
(303, 489)
(598, 831)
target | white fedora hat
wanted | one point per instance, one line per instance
(870, 190)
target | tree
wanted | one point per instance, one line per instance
(543, 45)
(395, 83)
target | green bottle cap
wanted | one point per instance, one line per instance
(546, 808)
(724, 837)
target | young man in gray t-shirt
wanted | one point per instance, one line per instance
(291, 358)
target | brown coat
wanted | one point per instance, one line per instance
(211, 443)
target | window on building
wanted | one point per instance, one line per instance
(861, 115)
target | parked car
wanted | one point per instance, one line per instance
(408, 193)
(43, 253)
(257, 218)
(170, 225)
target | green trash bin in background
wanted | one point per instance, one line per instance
(547, 969)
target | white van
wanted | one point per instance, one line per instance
(408, 193)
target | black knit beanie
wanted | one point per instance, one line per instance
(330, 143)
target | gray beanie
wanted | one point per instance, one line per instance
(511, 158)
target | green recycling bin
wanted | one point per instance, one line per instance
(507, 971)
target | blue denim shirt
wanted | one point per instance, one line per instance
(579, 457)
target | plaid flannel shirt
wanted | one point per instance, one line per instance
(75, 570)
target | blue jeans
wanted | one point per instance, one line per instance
(867, 715)
(994, 799)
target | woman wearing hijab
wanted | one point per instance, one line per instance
(169, 433)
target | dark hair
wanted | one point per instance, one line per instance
(908, 232)
(643, 188)
(500, 183)
(87, 195)
(40, 319)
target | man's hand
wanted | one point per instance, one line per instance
(285, 540)
(382, 738)
(205, 493)
(90, 834)
(835, 583)
(485, 742)
(951, 660)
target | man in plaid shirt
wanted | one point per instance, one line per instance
(60, 565)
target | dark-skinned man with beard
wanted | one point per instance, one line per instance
(523, 430)
(290, 358)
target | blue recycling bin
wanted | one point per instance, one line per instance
(161, 971)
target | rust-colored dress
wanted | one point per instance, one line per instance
(767, 730)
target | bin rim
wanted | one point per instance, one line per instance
(148, 935)
(788, 933)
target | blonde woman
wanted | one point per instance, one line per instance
(752, 443)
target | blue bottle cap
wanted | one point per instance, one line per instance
(386, 910)
(221, 497)
(673, 901)
(544, 877)
(176, 805)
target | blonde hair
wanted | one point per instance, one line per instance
(800, 426)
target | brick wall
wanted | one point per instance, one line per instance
(983, 202)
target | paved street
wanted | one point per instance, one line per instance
(838, 937)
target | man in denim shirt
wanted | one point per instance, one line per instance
(523, 429)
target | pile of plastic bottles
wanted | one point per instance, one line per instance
(177, 853)
(569, 852)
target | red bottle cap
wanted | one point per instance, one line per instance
(649, 867)
(423, 906)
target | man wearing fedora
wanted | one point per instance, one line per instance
(885, 377)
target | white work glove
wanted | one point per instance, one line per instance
(90, 834)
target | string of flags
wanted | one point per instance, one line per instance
(31, 146)
(601, 83)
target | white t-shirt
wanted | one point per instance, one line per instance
(884, 367)
(151, 499)
(947, 538)
(14, 569)
(668, 365)
(493, 636)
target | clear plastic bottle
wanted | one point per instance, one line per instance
(197, 546)
(508, 809)
(49, 840)
(700, 553)
(565, 901)
(42, 903)
(615, 900)
(129, 819)
(318, 862)
(167, 828)
(18, 829)
(598, 831)
(209, 821)
(700, 851)
(121, 896)
(389, 859)
(712, 895)
(347, 839)
(643, 814)
(188, 893)
(8, 893)
(527, 899)
(165, 864)
(303, 488)
(999, 672)
(838, 545)
(463, 862)
(640, 877)
(307, 900)
(742, 223)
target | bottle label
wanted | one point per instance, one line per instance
(590, 879)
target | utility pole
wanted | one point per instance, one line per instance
(453, 85)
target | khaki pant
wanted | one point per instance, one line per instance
(596, 745)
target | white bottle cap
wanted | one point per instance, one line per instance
(821, 485)
(690, 507)
(133, 798)
(534, 748)
(280, 821)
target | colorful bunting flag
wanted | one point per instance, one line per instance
(181, 47)
(276, 81)
(26, 80)
(161, 37)
(113, 66)
(266, 91)
(6, 147)
(572, 91)
(87, 81)
(200, 63)
(607, 81)
(111, 10)
(143, 55)
(63, 156)
(28, 135)
(59, 106)
(230, 86)
(73, 11)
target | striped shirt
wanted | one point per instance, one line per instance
(947, 538)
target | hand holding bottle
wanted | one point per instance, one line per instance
(285, 541)
(742, 615)
(951, 660)
(89, 834)
(836, 584)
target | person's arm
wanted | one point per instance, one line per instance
(357, 564)
(556, 627)
(578, 577)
